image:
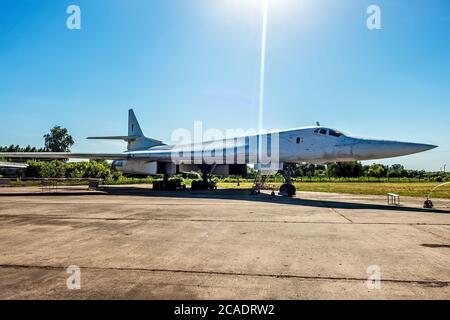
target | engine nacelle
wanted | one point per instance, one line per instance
(142, 167)
(267, 170)
(147, 168)
(219, 170)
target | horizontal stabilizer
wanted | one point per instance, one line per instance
(148, 142)
(135, 138)
(124, 138)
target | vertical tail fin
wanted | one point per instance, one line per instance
(139, 141)
(134, 129)
(135, 138)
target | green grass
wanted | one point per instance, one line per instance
(413, 189)
(37, 183)
(125, 181)
(401, 187)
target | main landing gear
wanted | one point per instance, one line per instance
(169, 184)
(206, 183)
(287, 189)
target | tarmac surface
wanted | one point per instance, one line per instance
(135, 243)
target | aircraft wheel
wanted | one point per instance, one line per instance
(292, 191)
(212, 185)
(287, 190)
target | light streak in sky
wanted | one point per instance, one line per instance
(263, 63)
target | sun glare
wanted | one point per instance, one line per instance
(261, 12)
(250, 7)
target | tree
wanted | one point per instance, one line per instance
(397, 171)
(303, 170)
(13, 148)
(377, 171)
(392, 174)
(397, 167)
(345, 169)
(58, 140)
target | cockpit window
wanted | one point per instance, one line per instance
(335, 133)
(330, 132)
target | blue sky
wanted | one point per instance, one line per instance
(177, 61)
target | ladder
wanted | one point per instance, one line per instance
(258, 183)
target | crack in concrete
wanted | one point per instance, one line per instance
(341, 214)
(434, 283)
(10, 216)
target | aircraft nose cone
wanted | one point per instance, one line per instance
(420, 147)
(366, 149)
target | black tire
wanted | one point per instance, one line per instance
(288, 190)
(291, 190)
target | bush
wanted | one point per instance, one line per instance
(437, 179)
(60, 169)
(392, 174)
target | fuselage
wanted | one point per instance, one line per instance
(310, 145)
(230, 156)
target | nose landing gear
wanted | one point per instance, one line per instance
(287, 189)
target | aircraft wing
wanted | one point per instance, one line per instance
(13, 165)
(64, 155)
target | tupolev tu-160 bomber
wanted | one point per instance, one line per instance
(234, 158)
(280, 150)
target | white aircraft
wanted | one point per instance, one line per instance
(284, 150)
